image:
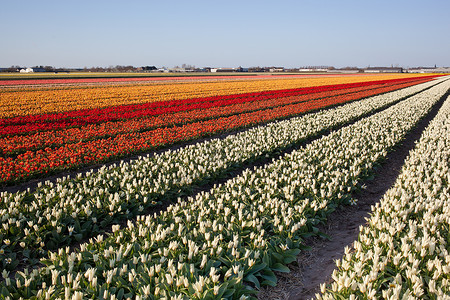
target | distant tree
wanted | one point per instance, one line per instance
(149, 68)
(12, 69)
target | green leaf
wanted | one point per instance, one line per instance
(266, 259)
(278, 257)
(86, 225)
(280, 268)
(51, 245)
(247, 290)
(120, 294)
(5, 292)
(78, 237)
(256, 268)
(324, 236)
(251, 278)
(104, 223)
(293, 252)
(228, 293)
(14, 264)
(269, 276)
(269, 282)
(209, 264)
(225, 260)
(305, 248)
(222, 290)
(289, 259)
(307, 234)
(77, 227)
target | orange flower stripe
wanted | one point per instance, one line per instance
(30, 101)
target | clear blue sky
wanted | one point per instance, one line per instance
(225, 33)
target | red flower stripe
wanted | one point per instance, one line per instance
(84, 153)
(82, 117)
(20, 143)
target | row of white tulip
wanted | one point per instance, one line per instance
(72, 208)
(238, 232)
(403, 253)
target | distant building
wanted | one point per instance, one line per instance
(276, 69)
(344, 71)
(383, 70)
(27, 70)
(177, 70)
(256, 69)
(442, 70)
(265, 69)
(241, 69)
(218, 70)
(32, 70)
(429, 70)
(314, 69)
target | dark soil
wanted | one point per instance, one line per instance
(315, 267)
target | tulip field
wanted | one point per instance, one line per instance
(109, 227)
